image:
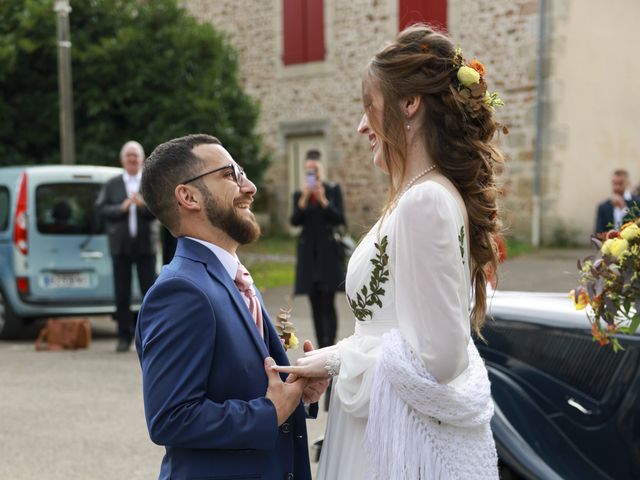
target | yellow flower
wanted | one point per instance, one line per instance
(583, 299)
(606, 247)
(468, 76)
(618, 247)
(292, 344)
(630, 232)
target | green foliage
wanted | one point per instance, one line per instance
(368, 297)
(141, 70)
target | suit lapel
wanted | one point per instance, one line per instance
(196, 251)
(271, 338)
(121, 188)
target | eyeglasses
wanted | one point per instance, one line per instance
(237, 170)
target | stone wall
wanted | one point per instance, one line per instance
(589, 113)
(304, 99)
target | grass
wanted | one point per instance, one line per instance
(267, 274)
(271, 261)
(516, 247)
(273, 245)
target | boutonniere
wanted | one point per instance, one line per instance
(286, 330)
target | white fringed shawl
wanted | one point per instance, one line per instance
(419, 429)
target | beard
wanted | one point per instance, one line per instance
(228, 220)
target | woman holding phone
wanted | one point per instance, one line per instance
(317, 208)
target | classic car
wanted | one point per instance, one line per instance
(565, 407)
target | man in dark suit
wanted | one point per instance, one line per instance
(133, 236)
(205, 343)
(615, 210)
(317, 208)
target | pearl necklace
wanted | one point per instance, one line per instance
(414, 179)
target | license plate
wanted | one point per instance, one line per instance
(66, 280)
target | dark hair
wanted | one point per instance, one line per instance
(621, 172)
(458, 130)
(170, 164)
(313, 155)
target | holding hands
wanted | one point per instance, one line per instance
(312, 365)
(308, 380)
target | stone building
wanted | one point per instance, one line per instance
(571, 115)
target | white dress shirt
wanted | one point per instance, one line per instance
(132, 184)
(620, 213)
(228, 261)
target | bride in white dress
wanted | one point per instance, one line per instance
(411, 396)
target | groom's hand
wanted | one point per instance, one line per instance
(285, 396)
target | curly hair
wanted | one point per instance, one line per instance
(458, 129)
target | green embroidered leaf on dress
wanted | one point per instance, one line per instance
(370, 296)
(461, 242)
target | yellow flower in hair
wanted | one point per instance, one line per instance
(468, 76)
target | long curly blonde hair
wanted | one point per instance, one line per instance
(458, 131)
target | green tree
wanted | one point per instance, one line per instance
(142, 70)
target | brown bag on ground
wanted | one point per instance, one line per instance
(64, 333)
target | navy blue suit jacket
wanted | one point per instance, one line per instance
(604, 216)
(203, 378)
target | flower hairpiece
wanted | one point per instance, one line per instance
(286, 330)
(471, 76)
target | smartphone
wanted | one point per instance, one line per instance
(311, 178)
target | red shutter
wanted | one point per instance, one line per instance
(315, 30)
(293, 34)
(433, 12)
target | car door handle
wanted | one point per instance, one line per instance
(91, 254)
(575, 404)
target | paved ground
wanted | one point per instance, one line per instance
(78, 415)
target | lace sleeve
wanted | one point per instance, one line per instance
(332, 366)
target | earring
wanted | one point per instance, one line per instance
(408, 126)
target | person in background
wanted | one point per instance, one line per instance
(317, 208)
(133, 237)
(614, 211)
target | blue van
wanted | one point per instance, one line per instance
(54, 253)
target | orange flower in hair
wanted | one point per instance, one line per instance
(477, 66)
(424, 47)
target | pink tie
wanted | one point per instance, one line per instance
(245, 285)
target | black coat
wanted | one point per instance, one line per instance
(604, 217)
(320, 257)
(108, 203)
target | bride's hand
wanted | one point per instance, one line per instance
(312, 365)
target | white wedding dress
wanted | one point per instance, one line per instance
(426, 296)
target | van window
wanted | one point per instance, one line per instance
(68, 209)
(4, 208)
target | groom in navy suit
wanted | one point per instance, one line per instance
(204, 341)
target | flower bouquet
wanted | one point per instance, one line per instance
(609, 284)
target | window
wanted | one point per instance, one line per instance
(433, 12)
(303, 33)
(68, 209)
(4, 208)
